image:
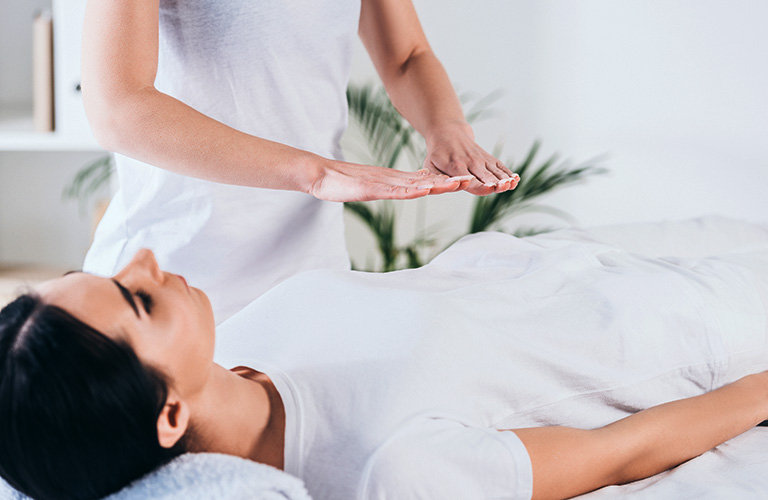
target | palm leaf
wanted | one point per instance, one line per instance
(524, 231)
(535, 182)
(481, 108)
(89, 179)
(381, 223)
(385, 131)
(381, 219)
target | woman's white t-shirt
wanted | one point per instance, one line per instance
(274, 69)
(398, 386)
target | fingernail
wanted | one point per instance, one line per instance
(489, 184)
(426, 186)
(460, 178)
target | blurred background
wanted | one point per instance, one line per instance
(673, 92)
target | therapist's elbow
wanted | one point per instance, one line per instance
(115, 120)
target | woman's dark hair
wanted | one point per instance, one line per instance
(78, 410)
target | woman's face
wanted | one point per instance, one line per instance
(167, 323)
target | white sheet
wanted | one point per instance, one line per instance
(737, 469)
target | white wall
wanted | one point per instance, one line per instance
(673, 90)
(38, 226)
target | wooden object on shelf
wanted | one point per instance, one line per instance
(42, 72)
(72, 132)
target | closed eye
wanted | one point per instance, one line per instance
(146, 300)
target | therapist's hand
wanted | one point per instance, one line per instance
(452, 150)
(344, 181)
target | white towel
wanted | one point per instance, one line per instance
(205, 476)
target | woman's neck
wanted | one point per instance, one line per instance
(240, 413)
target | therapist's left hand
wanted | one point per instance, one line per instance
(452, 151)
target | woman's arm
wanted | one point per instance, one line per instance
(421, 91)
(568, 462)
(128, 115)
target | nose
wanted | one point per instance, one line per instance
(144, 263)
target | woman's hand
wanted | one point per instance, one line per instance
(452, 150)
(343, 181)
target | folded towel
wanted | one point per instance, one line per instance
(205, 476)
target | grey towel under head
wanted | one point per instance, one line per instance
(205, 476)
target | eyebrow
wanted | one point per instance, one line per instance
(128, 297)
(123, 291)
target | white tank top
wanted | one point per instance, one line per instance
(275, 69)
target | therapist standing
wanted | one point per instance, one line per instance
(226, 116)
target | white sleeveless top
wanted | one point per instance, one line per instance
(275, 69)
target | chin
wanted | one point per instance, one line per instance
(205, 300)
(206, 304)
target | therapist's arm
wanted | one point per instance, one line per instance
(421, 91)
(128, 115)
(568, 462)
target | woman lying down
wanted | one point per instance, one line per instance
(543, 367)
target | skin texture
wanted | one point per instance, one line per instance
(128, 115)
(240, 413)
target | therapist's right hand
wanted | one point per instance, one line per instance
(344, 181)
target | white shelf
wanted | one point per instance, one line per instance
(17, 133)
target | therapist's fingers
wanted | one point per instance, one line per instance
(452, 150)
(507, 171)
(379, 178)
(343, 181)
(480, 189)
(439, 183)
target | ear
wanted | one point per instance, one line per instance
(173, 421)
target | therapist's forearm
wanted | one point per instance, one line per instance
(158, 129)
(422, 92)
(129, 116)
